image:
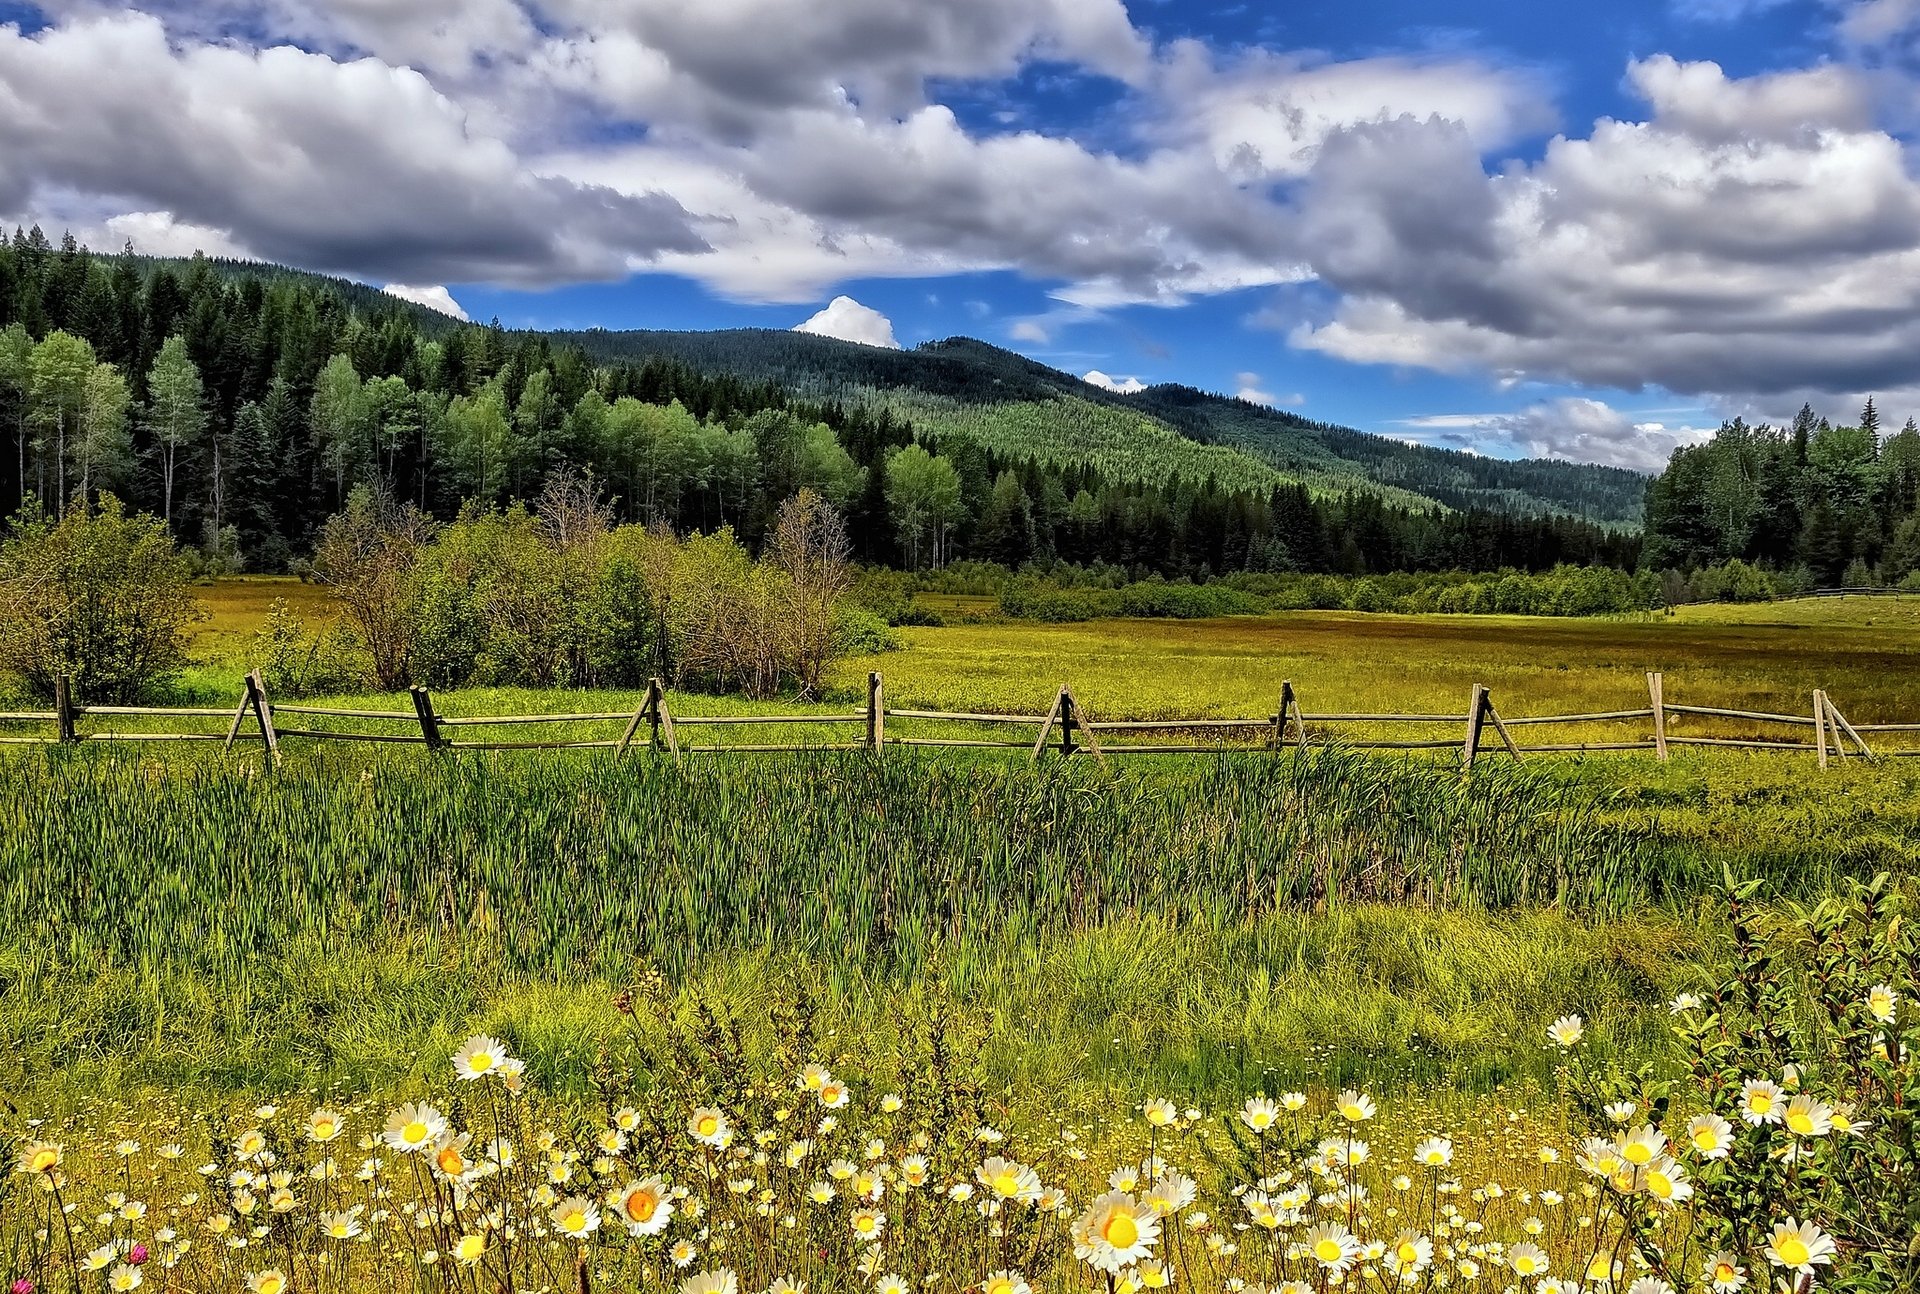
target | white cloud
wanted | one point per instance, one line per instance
(1118, 385)
(1753, 236)
(433, 298)
(1573, 428)
(1031, 331)
(1249, 384)
(848, 320)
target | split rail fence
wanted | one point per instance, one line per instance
(1067, 728)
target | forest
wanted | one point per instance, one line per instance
(1839, 504)
(244, 404)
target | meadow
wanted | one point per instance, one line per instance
(1048, 996)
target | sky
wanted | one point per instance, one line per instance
(1586, 231)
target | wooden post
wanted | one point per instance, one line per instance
(429, 722)
(63, 707)
(1476, 720)
(1840, 725)
(1500, 726)
(263, 711)
(663, 720)
(1046, 725)
(1066, 723)
(876, 713)
(1077, 717)
(240, 713)
(1289, 708)
(1657, 694)
(633, 724)
(1820, 724)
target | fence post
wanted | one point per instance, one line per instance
(1840, 726)
(1079, 717)
(63, 707)
(1500, 726)
(1657, 694)
(1820, 724)
(429, 724)
(663, 719)
(1046, 726)
(1476, 720)
(876, 713)
(257, 694)
(1066, 723)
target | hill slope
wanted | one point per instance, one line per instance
(1013, 404)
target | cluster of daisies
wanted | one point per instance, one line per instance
(478, 1189)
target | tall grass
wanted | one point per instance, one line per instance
(589, 862)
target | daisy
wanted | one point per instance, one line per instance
(323, 1126)
(1410, 1254)
(1333, 1246)
(1160, 1112)
(1005, 1282)
(1114, 1231)
(1434, 1152)
(891, 1283)
(576, 1216)
(39, 1157)
(478, 1057)
(867, 1224)
(469, 1249)
(1761, 1102)
(1799, 1246)
(270, 1281)
(123, 1278)
(450, 1155)
(1881, 1002)
(1643, 1145)
(1567, 1031)
(414, 1128)
(341, 1226)
(1667, 1181)
(1355, 1107)
(833, 1094)
(1008, 1180)
(645, 1207)
(1259, 1113)
(1724, 1273)
(709, 1127)
(1807, 1117)
(1527, 1259)
(1710, 1136)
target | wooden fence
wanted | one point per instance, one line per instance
(1067, 727)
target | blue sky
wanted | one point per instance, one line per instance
(1590, 231)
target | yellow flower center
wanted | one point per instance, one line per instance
(1706, 1139)
(1121, 1231)
(272, 1284)
(1792, 1250)
(1525, 1264)
(482, 1061)
(1639, 1152)
(1660, 1185)
(1000, 1285)
(1408, 1252)
(863, 1224)
(1006, 1184)
(414, 1133)
(1759, 1103)
(1327, 1250)
(574, 1220)
(1801, 1122)
(709, 1125)
(1723, 1271)
(640, 1204)
(45, 1160)
(471, 1247)
(451, 1162)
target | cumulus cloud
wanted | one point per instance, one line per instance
(848, 320)
(1118, 385)
(1752, 235)
(1031, 331)
(1572, 428)
(433, 298)
(355, 167)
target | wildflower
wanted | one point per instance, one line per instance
(1160, 1112)
(1642, 1146)
(1710, 1136)
(341, 1226)
(1621, 1111)
(1154, 1274)
(1114, 1231)
(123, 1278)
(709, 1127)
(1259, 1113)
(414, 1128)
(250, 1144)
(323, 1126)
(1355, 1107)
(1567, 1031)
(39, 1157)
(1807, 1117)
(1881, 1002)
(1434, 1152)
(1527, 1259)
(645, 1207)
(867, 1224)
(1667, 1181)
(576, 1216)
(891, 1103)
(1409, 1254)
(1761, 1102)
(1649, 1285)
(1333, 1246)
(1172, 1192)
(1683, 1003)
(722, 1281)
(478, 1056)
(1009, 1180)
(683, 1253)
(834, 1094)
(1293, 1102)
(1724, 1273)
(469, 1249)
(1005, 1282)
(891, 1283)
(270, 1281)
(450, 1155)
(1799, 1246)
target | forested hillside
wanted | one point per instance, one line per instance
(244, 404)
(1843, 503)
(1016, 405)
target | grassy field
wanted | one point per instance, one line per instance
(185, 935)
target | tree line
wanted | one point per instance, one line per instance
(243, 405)
(1833, 505)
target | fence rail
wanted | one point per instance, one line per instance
(1068, 728)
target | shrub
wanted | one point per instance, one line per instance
(100, 595)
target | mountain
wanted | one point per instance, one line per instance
(1018, 406)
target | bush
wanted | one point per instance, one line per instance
(295, 663)
(100, 595)
(862, 633)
